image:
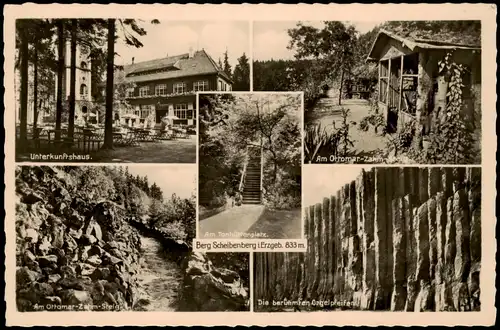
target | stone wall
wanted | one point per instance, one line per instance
(401, 239)
(71, 253)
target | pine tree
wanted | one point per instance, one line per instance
(227, 66)
(241, 75)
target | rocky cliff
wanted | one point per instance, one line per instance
(402, 239)
(209, 288)
(71, 253)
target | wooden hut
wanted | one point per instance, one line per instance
(410, 86)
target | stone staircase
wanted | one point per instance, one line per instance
(251, 190)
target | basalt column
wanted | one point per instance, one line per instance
(401, 239)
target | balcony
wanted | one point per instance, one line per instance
(169, 95)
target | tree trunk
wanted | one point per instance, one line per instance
(440, 99)
(341, 86)
(108, 119)
(424, 84)
(35, 91)
(23, 129)
(72, 82)
(60, 74)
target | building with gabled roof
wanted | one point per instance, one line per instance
(168, 86)
(411, 87)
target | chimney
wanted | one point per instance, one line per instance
(133, 58)
(191, 52)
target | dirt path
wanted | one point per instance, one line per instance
(328, 111)
(160, 277)
(234, 220)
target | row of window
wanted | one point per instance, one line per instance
(178, 88)
(180, 110)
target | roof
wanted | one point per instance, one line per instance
(173, 67)
(413, 44)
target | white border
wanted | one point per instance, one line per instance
(277, 12)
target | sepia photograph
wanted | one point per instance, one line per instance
(380, 239)
(405, 92)
(249, 164)
(120, 90)
(116, 238)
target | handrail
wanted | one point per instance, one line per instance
(243, 174)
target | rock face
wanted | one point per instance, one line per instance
(402, 239)
(71, 253)
(207, 288)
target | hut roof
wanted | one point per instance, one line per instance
(415, 40)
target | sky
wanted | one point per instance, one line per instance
(178, 179)
(176, 37)
(275, 34)
(324, 181)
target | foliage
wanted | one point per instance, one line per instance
(93, 183)
(452, 140)
(402, 140)
(241, 74)
(226, 66)
(345, 140)
(329, 141)
(300, 75)
(269, 121)
(220, 162)
(374, 118)
(333, 47)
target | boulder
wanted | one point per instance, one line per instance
(25, 276)
(85, 269)
(94, 261)
(75, 297)
(100, 273)
(48, 261)
(51, 300)
(32, 198)
(88, 239)
(67, 271)
(31, 235)
(54, 278)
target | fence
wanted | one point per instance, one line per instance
(395, 238)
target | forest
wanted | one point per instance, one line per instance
(338, 52)
(173, 215)
(331, 61)
(40, 45)
(229, 125)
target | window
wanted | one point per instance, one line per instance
(220, 85)
(180, 110)
(200, 86)
(145, 111)
(83, 90)
(130, 92)
(179, 88)
(144, 91)
(161, 89)
(83, 65)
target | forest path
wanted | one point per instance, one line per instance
(160, 277)
(236, 219)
